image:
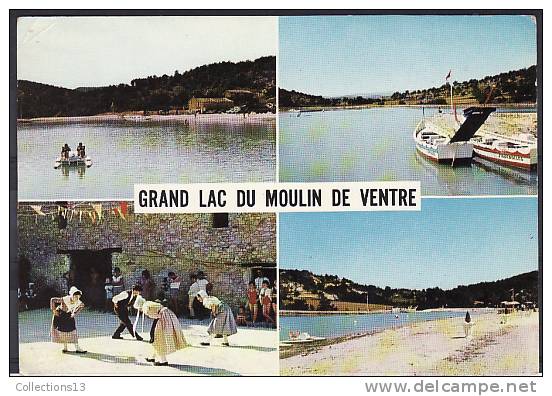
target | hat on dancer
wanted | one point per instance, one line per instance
(74, 290)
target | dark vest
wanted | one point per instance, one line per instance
(127, 301)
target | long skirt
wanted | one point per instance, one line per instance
(64, 330)
(168, 337)
(224, 323)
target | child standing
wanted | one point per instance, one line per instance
(265, 296)
(252, 300)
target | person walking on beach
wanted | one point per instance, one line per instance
(121, 303)
(223, 322)
(167, 336)
(64, 309)
(468, 324)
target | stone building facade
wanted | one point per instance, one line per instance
(73, 237)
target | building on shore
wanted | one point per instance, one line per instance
(209, 105)
(82, 242)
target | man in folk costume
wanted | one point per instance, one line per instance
(223, 322)
(64, 330)
(121, 302)
(166, 331)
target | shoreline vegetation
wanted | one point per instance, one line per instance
(510, 88)
(302, 290)
(435, 347)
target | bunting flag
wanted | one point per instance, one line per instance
(98, 208)
(124, 208)
(95, 212)
(38, 209)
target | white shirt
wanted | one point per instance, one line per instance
(259, 282)
(194, 288)
(119, 297)
(202, 283)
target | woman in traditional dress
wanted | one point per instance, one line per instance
(166, 330)
(64, 330)
(223, 323)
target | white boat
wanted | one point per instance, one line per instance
(519, 151)
(445, 139)
(302, 338)
(136, 117)
(73, 160)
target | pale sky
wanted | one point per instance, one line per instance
(380, 54)
(97, 51)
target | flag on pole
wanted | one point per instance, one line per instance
(448, 75)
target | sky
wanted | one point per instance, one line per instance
(97, 51)
(381, 54)
(449, 242)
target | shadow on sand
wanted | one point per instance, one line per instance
(254, 348)
(197, 370)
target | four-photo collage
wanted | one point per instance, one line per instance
(450, 101)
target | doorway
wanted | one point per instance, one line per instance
(88, 271)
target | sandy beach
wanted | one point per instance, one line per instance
(430, 348)
(155, 118)
(252, 351)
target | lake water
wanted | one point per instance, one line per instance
(335, 325)
(376, 145)
(125, 153)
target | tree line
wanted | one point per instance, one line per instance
(152, 93)
(523, 287)
(516, 86)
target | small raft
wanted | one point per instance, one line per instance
(73, 160)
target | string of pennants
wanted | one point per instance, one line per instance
(94, 212)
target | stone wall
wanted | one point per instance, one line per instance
(183, 243)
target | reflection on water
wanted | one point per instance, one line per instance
(336, 325)
(126, 153)
(377, 145)
(66, 170)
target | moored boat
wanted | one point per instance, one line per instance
(136, 117)
(446, 140)
(518, 152)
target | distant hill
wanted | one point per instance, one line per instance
(303, 290)
(517, 86)
(152, 93)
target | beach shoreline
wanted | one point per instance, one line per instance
(436, 347)
(155, 118)
(414, 106)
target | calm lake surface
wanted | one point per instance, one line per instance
(125, 153)
(335, 325)
(377, 145)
